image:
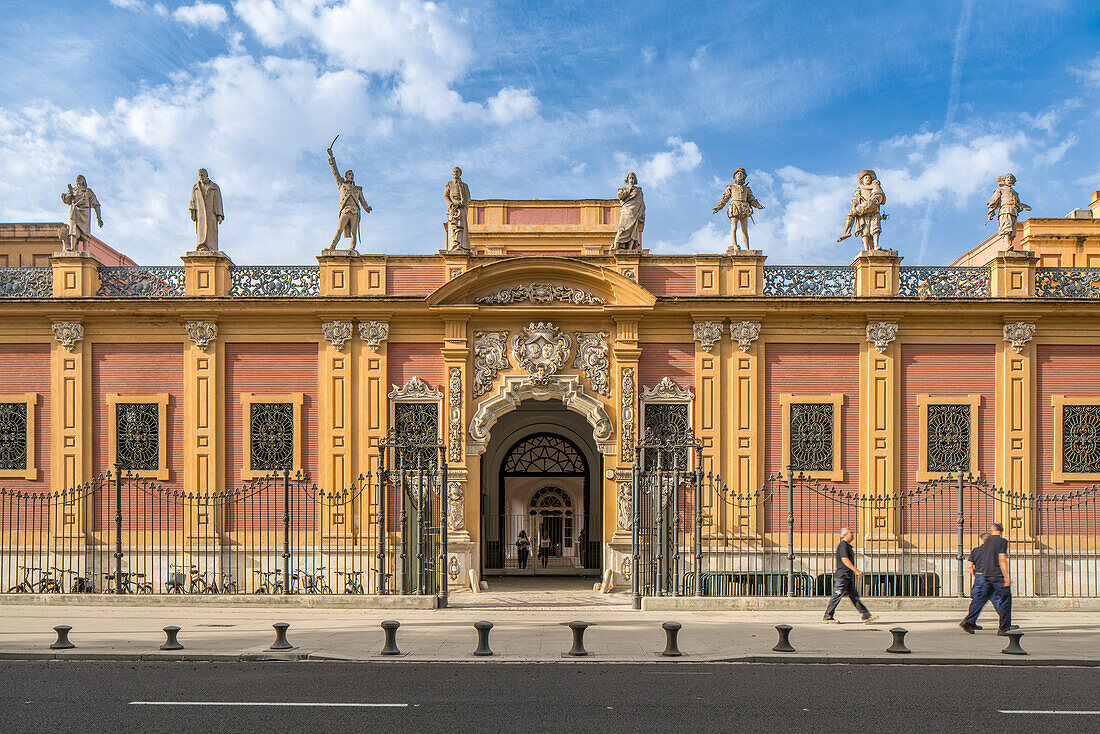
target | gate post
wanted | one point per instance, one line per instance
(443, 501)
(698, 520)
(790, 532)
(635, 496)
(286, 531)
(960, 521)
(119, 588)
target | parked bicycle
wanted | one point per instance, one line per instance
(271, 582)
(79, 585)
(130, 583)
(177, 580)
(353, 581)
(312, 583)
(46, 583)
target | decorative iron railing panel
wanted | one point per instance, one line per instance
(809, 280)
(158, 281)
(275, 281)
(26, 282)
(1067, 282)
(943, 282)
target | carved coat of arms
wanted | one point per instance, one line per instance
(542, 349)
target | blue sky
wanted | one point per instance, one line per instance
(550, 100)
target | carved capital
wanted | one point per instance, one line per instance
(201, 333)
(707, 333)
(68, 333)
(373, 333)
(881, 333)
(745, 333)
(1019, 333)
(337, 333)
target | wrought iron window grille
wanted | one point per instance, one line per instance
(811, 437)
(137, 436)
(666, 424)
(416, 427)
(1081, 439)
(272, 431)
(949, 437)
(13, 436)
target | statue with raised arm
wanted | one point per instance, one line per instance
(864, 213)
(206, 212)
(351, 199)
(741, 203)
(81, 202)
(457, 195)
(631, 215)
(1006, 205)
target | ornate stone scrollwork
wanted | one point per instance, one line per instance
(1019, 333)
(625, 504)
(68, 333)
(415, 389)
(881, 333)
(744, 333)
(454, 412)
(542, 349)
(337, 333)
(629, 274)
(490, 357)
(373, 333)
(541, 293)
(456, 506)
(707, 333)
(666, 391)
(626, 453)
(592, 358)
(201, 333)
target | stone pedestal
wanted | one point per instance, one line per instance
(746, 272)
(207, 273)
(75, 274)
(337, 277)
(1012, 274)
(877, 273)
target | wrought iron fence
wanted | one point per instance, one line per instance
(26, 282)
(157, 281)
(275, 281)
(809, 280)
(1067, 282)
(943, 282)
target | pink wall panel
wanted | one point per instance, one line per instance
(413, 280)
(667, 280)
(26, 368)
(543, 215)
(407, 360)
(1073, 371)
(667, 360)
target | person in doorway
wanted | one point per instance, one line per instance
(523, 548)
(992, 582)
(545, 544)
(844, 580)
(582, 541)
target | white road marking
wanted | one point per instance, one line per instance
(267, 703)
(1059, 713)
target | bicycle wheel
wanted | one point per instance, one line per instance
(145, 588)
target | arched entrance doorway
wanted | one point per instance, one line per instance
(541, 479)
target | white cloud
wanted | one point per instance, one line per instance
(209, 15)
(1057, 152)
(683, 156)
(510, 104)
(128, 4)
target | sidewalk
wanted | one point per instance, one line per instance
(618, 634)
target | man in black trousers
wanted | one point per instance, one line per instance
(844, 580)
(992, 582)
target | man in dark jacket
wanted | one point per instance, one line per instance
(844, 580)
(992, 582)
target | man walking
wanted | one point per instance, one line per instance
(992, 582)
(844, 580)
(972, 562)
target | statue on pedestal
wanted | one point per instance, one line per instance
(1006, 204)
(206, 212)
(81, 202)
(864, 213)
(457, 195)
(351, 199)
(742, 202)
(631, 215)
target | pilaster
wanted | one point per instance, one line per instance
(70, 422)
(625, 391)
(745, 430)
(879, 404)
(463, 499)
(369, 350)
(877, 273)
(744, 273)
(336, 458)
(708, 402)
(75, 274)
(204, 426)
(207, 274)
(1015, 431)
(1012, 274)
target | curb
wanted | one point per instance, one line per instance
(153, 601)
(816, 604)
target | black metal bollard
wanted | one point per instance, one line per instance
(390, 648)
(62, 643)
(898, 645)
(170, 641)
(280, 637)
(1014, 643)
(784, 644)
(578, 639)
(483, 638)
(671, 630)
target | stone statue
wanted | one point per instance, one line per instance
(81, 201)
(1006, 204)
(206, 212)
(864, 213)
(742, 202)
(351, 199)
(457, 195)
(631, 215)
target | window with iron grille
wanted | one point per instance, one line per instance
(949, 437)
(811, 437)
(417, 429)
(137, 436)
(667, 426)
(1081, 439)
(13, 436)
(272, 433)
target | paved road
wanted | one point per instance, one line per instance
(676, 697)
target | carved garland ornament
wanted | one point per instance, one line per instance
(881, 333)
(626, 452)
(541, 349)
(707, 333)
(490, 357)
(454, 402)
(592, 358)
(201, 333)
(1019, 333)
(373, 333)
(337, 333)
(415, 389)
(745, 333)
(541, 293)
(69, 333)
